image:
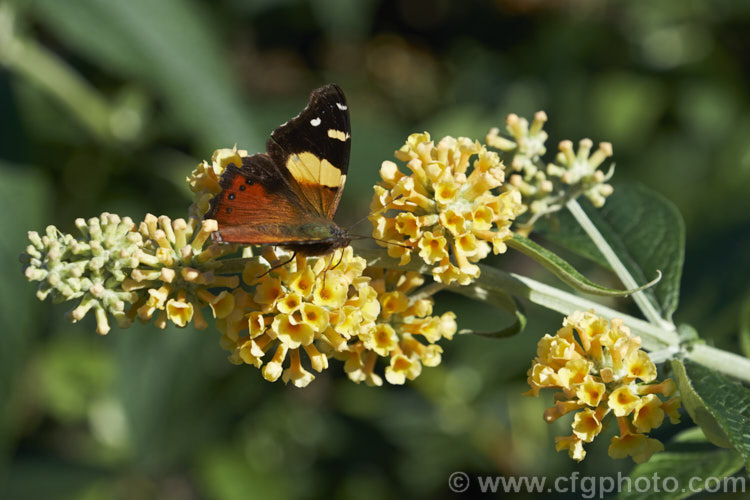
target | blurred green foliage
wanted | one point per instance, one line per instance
(107, 105)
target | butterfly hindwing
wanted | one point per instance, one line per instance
(313, 149)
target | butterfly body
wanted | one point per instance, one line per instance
(289, 195)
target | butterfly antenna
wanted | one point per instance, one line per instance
(384, 207)
(361, 237)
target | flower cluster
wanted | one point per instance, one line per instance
(445, 209)
(161, 269)
(176, 270)
(326, 307)
(600, 370)
(546, 188)
(89, 268)
(405, 319)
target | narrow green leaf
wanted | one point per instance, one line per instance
(644, 229)
(719, 405)
(688, 465)
(564, 270)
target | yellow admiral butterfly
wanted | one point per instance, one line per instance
(289, 195)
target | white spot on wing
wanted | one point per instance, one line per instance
(342, 107)
(315, 122)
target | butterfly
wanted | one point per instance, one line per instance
(288, 195)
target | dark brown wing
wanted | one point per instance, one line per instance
(313, 149)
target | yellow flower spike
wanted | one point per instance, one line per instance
(252, 272)
(165, 255)
(298, 375)
(671, 408)
(289, 303)
(638, 365)
(268, 292)
(382, 339)
(591, 392)
(408, 224)
(446, 193)
(623, 401)
(586, 425)
(638, 446)
(648, 414)
(222, 304)
(331, 293)
(448, 326)
(303, 282)
(666, 388)
(598, 370)
(433, 247)
(393, 303)
(318, 360)
(256, 324)
(540, 376)
(273, 369)
(290, 334)
(199, 321)
(574, 373)
(231, 282)
(402, 368)
(179, 227)
(573, 444)
(179, 311)
(208, 226)
(314, 316)
(161, 320)
(247, 353)
(102, 324)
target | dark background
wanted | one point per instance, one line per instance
(109, 106)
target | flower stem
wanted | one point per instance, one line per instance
(721, 361)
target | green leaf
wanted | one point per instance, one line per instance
(169, 46)
(563, 270)
(719, 405)
(643, 228)
(688, 456)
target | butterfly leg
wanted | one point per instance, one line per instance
(279, 265)
(341, 257)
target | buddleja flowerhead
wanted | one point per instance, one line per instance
(161, 269)
(546, 187)
(89, 267)
(601, 373)
(405, 332)
(296, 316)
(448, 210)
(175, 274)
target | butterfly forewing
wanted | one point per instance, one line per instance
(314, 148)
